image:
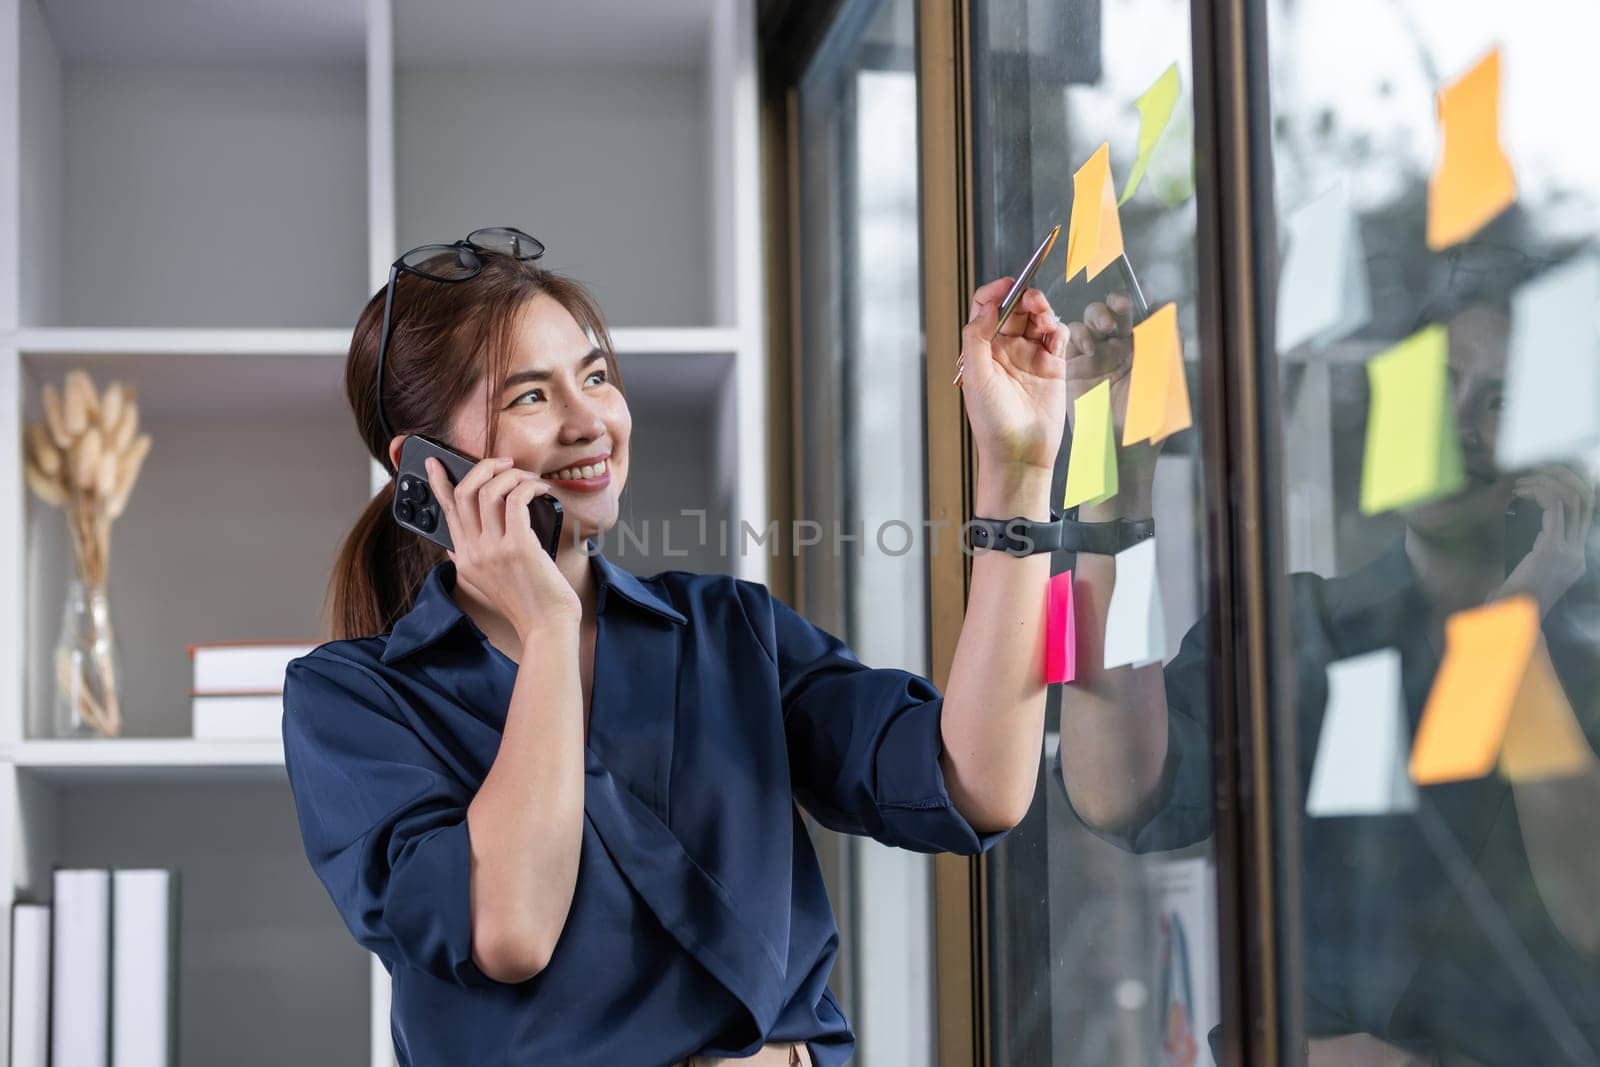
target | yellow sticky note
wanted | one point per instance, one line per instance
(1472, 180)
(1413, 453)
(1496, 700)
(1092, 464)
(1155, 111)
(1158, 392)
(1094, 238)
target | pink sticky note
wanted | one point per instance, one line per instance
(1060, 631)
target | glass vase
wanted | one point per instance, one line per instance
(87, 666)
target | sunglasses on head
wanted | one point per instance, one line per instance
(458, 262)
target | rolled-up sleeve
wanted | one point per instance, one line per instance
(384, 823)
(865, 743)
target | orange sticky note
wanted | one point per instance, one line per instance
(1060, 631)
(1472, 180)
(1158, 392)
(1094, 236)
(1496, 700)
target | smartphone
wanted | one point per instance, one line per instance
(1524, 521)
(416, 509)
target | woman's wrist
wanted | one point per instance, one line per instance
(1003, 491)
(548, 630)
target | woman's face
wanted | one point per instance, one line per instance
(560, 416)
(1480, 340)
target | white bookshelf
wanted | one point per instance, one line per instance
(198, 199)
(146, 760)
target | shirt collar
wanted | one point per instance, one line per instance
(434, 613)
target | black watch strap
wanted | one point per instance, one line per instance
(1104, 538)
(1022, 536)
(1016, 536)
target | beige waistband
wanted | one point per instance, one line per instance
(784, 1055)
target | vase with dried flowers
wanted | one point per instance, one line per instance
(84, 459)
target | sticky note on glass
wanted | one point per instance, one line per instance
(1155, 106)
(1092, 463)
(1094, 235)
(1552, 394)
(1323, 292)
(1158, 392)
(1496, 701)
(1060, 631)
(1136, 624)
(1413, 454)
(1472, 179)
(1360, 767)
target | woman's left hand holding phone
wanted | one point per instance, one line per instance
(496, 551)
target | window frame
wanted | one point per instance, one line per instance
(1242, 490)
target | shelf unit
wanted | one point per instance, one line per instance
(197, 200)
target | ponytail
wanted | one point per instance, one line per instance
(380, 567)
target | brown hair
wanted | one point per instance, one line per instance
(443, 338)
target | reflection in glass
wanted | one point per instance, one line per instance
(1102, 950)
(1458, 928)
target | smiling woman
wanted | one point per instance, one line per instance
(559, 801)
(449, 343)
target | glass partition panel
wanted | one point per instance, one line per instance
(864, 576)
(1438, 198)
(1101, 921)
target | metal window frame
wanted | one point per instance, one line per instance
(1257, 828)
(1240, 421)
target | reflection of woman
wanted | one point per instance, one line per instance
(557, 799)
(1407, 919)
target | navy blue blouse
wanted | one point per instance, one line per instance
(700, 922)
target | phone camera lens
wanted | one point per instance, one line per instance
(413, 489)
(426, 520)
(404, 511)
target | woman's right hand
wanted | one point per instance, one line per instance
(496, 551)
(1100, 348)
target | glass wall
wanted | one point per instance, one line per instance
(864, 576)
(1439, 352)
(1102, 942)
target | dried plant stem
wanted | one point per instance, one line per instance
(85, 458)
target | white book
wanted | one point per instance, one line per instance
(144, 942)
(80, 987)
(244, 717)
(243, 667)
(30, 985)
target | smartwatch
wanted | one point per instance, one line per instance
(1021, 536)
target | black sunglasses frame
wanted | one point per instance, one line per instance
(466, 250)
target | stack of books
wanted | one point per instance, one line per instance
(237, 693)
(94, 974)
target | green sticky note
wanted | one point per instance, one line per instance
(1092, 464)
(1155, 111)
(1413, 453)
